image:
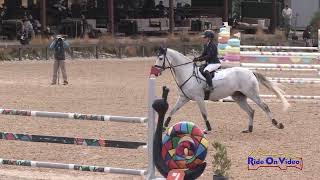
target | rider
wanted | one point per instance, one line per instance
(210, 55)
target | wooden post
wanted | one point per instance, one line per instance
(97, 53)
(111, 16)
(120, 51)
(47, 58)
(226, 10)
(20, 54)
(143, 53)
(171, 16)
(274, 15)
(43, 17)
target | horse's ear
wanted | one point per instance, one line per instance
(162, 50)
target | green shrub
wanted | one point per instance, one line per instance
(220, 163)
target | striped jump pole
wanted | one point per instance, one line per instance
(296, 81)
(74, 116)
(71, 140)
(293, 97)
(302, 79)
(261, 53)
(71, 167)
(295, 66)
(280, 69)
(278, 47)
(289, 97)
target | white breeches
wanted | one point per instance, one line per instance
(212, 67)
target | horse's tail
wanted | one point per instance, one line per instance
(274, 88)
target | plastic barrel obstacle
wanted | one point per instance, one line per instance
(183, 148)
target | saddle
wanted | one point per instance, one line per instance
(201, 69)
(207, 93)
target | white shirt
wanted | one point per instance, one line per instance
(287, 13)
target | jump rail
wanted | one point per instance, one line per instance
(74, 116)
(281, 69)
(296, 81)
(72, 167)
(254, 53)
(295, 66)
(279, 47)
(71, 140)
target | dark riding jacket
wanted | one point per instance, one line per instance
(210, 54)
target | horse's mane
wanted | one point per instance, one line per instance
(180, 54)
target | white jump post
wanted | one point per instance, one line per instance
(151, 128)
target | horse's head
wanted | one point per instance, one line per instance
(169, 59)
(162, 62)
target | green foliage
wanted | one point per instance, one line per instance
(220, 163)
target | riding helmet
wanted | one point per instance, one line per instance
(208, 34)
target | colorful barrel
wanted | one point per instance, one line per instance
(184, 146)
(234, 43)
(222, 46)
(233, 50)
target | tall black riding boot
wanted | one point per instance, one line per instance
(208, 77)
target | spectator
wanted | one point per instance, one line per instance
(35, 24)
(287, 16)
(27, 31)
(59, 45)
(48, 33)
(161, 9)
(307, 36)
(84, 26)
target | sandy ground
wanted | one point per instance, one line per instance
(119, 87)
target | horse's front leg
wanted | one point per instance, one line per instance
(180, 102)
(203, 109)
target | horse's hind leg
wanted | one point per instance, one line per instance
(241, 100)
(266, 109)
(180, 102)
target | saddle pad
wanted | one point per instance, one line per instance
(219, 75)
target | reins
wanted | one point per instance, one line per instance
(195, 73)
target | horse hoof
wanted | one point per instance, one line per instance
(246, 131)
(206, 131)
(208, 126)
(281, 126)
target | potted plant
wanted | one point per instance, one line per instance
(221, 164)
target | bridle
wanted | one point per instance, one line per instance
(195, 73)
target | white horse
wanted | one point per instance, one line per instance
(237, 82)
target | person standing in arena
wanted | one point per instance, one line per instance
(59, 45)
